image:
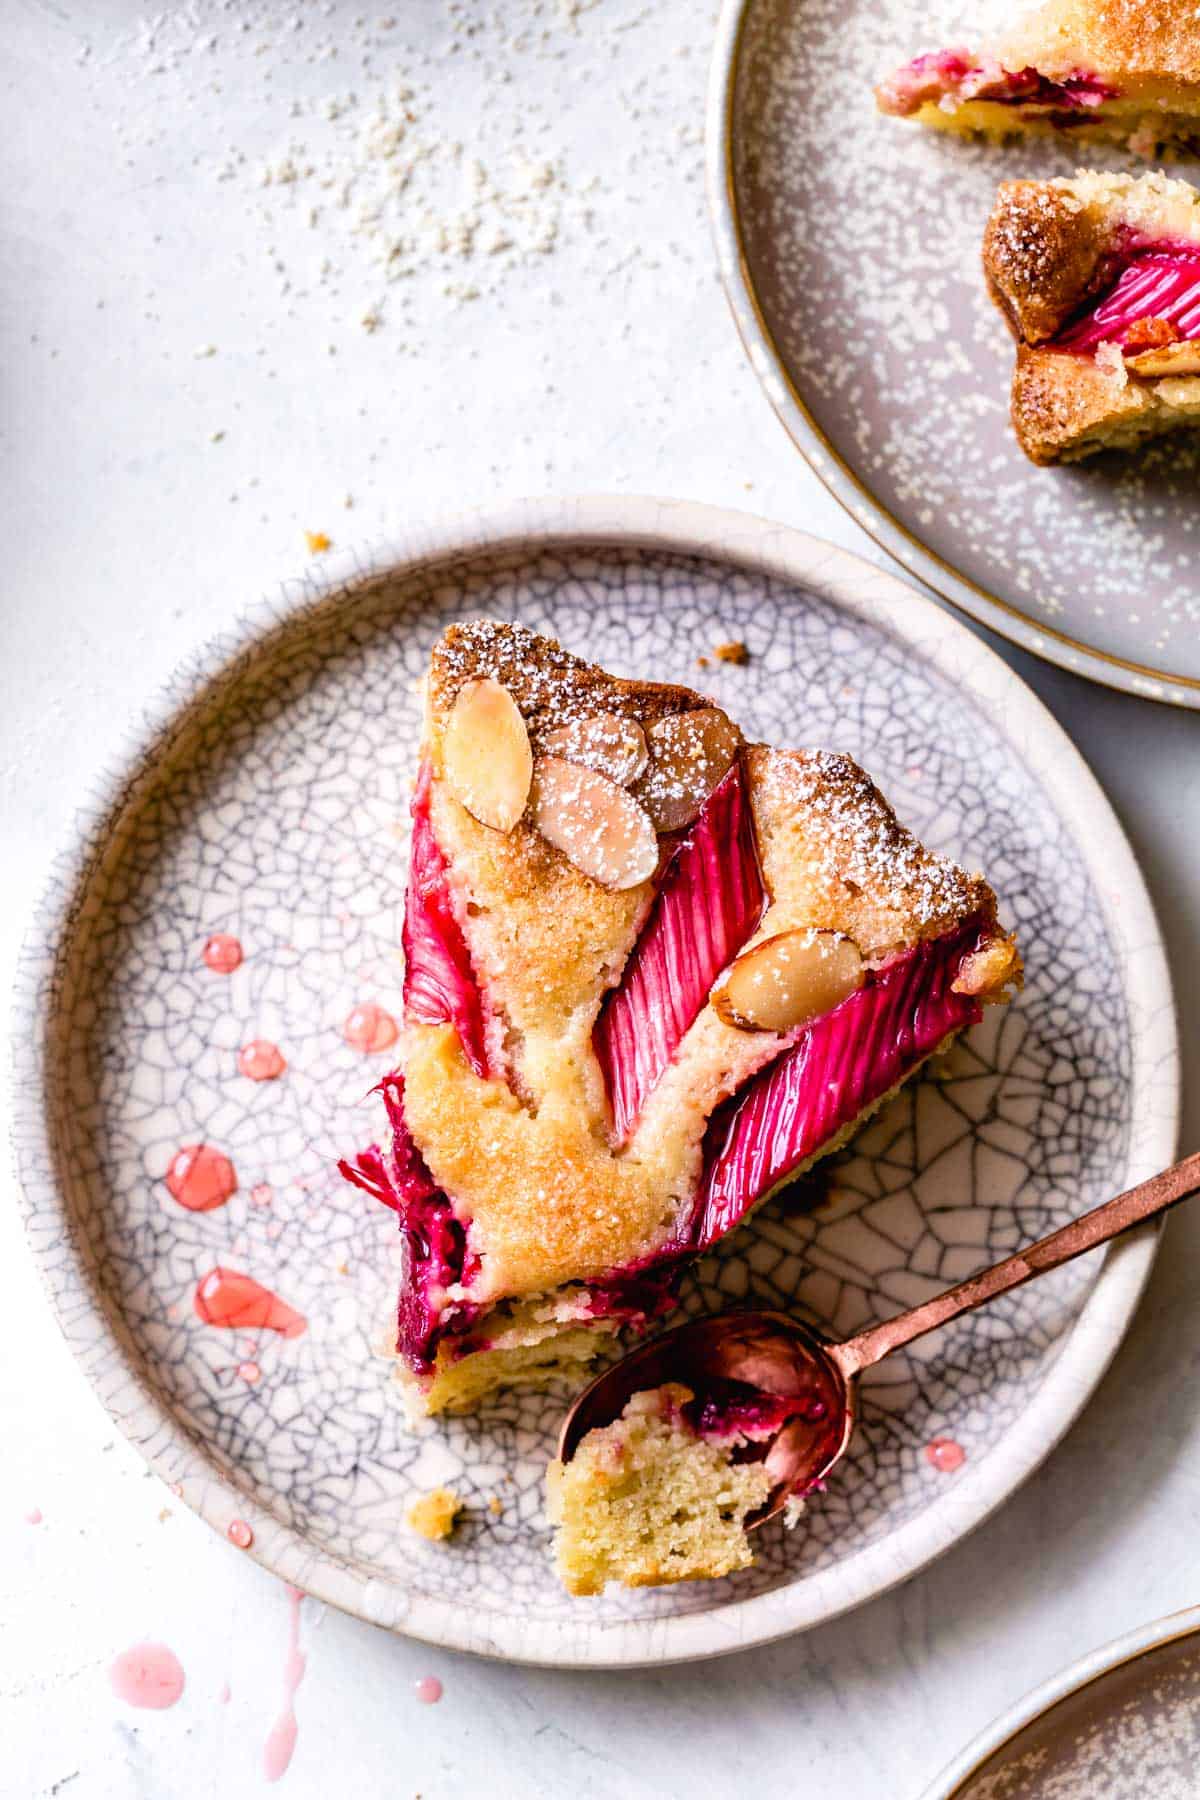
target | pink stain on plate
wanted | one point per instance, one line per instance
(200, 1178)
(227, 1297)
(429, 1690)
(261, 1060)
(260, 1194)
(222, 954)
(281, 1742)
(34, 1516)
(239, 1533)
(370, 1028)
(149, 1675)
(945, 1455)
(224, 1695)
(249, 1372)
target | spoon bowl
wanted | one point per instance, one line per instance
(762, 1353)
(738, 1359)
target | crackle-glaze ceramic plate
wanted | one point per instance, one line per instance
(267, 802)
(849, 246)
(1121, 1724)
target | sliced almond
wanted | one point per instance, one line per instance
(611, 745)
(1169, 359)
(595, 823)
(486, 754)
(788, 980)
(689, 754)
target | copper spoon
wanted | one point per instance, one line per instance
(777, 1355)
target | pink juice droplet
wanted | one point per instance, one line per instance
(227, 1297)
(200, 1178)
(429, 1690)
(239, 1533)
(280, 1744)
(224, 1696)
(149, 1675)
(222, 954)
(34, 1516)
(370, 1029)
(944, 1454)
(261, 1195)
(261, 1060)
(249, 1372)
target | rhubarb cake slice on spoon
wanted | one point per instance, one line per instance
(1124, 71)
(653, 972)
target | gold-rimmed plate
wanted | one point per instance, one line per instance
(849, 249)
(1121, 1724)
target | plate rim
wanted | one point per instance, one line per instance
(864, 591)
(769, 366)
(1130, 1647)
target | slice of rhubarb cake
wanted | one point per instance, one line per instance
(652, 973)
(1099, 278)
(1126, 71)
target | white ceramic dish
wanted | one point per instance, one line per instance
(265, 796)
(1119, 1724)
(849, 247)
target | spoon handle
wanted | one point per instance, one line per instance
(1142, 1202)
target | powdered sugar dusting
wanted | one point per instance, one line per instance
(863, 244)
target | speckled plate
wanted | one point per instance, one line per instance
(849, 246)
(1121, 1724)
(266, 798)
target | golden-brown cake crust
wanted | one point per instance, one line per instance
(1049, 248)
(1127, 42)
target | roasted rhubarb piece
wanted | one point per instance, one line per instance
(1125, 71)
(688, 968)
(1099, 278)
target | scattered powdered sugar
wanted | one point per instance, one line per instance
(863, 237)
(330, 128)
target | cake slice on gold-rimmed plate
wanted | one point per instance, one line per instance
(1099, 278)
(1124, 71)
(653, 972)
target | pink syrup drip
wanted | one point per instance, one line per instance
(281, 1741)
(227, 1298)
(945, 1455)
(261, 1060)
(148, 1676)
(34, 1516)
(239, 1533)
(429, 1690)
(709, 901)
(200, 1178)
(222, 954)
(370, 1028)
(1157, 284)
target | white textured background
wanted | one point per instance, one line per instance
(479, 269)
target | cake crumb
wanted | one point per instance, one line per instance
(318, 542)
(435, 1514)
(735, 651)
(495, 1506)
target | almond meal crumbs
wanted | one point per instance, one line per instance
(435, 1514)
